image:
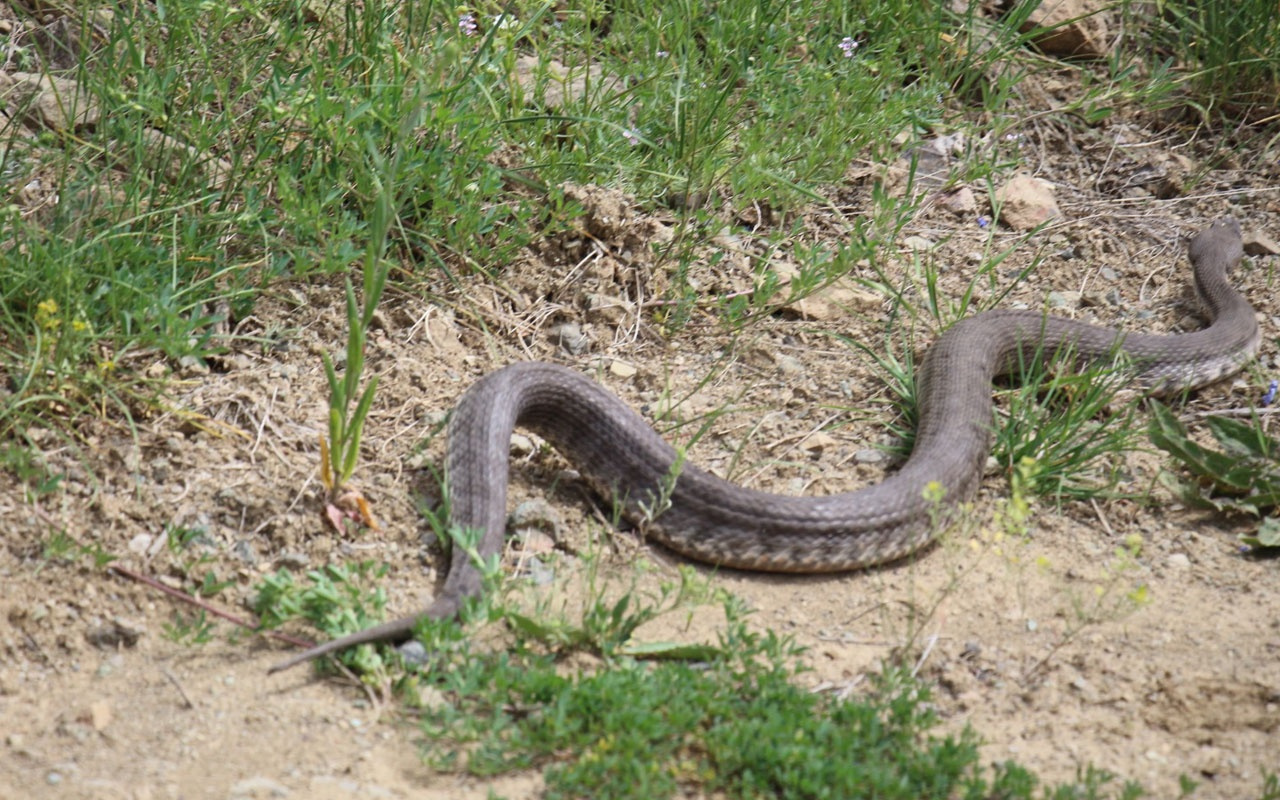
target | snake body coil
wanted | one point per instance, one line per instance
(712, 520)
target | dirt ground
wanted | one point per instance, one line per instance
(96, 702)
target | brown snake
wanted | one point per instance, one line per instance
(712, 520)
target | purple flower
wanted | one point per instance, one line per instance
(467, 24)
(631, 136)
(1270, 396)
(983, 222)
(848, 45)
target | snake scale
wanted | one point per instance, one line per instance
(714, 521)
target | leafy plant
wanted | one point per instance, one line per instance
(336, 599)
(1243, 477)
(732, 723)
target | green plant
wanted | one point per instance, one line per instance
(1242, 478)
(61, 546)
(733, 724)
(336, 599)
(1233, 52)
(1067, 423)
(194, 629)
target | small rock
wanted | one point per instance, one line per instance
(833, 302)
(962, 202)
(1069, 28)
(539, 572)
(1178, 561)
(535, 515)
(818, 442)
(99, 715)
(56, 103)
(535, 541)
(1259, 244)
(1064, 300)
(190, 365)
(918, 243)
(790, 365)
(868, 455)
(521, 445)
(294, 561)
(622, 369)
(119, 632)
(413, 653)
(1026, 202)
(569, 336)
(140, 544)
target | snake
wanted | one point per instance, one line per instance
(711, 520)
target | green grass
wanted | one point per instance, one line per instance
(755, 103)
(1231, 51)
(658, 719)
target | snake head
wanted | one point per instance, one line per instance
(1221, 240)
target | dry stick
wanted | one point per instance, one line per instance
(195, 601)
(178, 685)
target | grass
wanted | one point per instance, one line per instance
(412, 143)
(656, 720)
(1233, 47)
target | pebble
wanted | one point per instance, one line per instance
(413, 653)
(621, 369)
(790, 365)
(868, 455)
(569, 336)
(536, 513)
(521, 445)
(1178, 561)
(1064, 299)
(119, 632)
(140, 544)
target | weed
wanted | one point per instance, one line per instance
(337, 600)
(732, 723)
(1234, 48)
(62, 547)
(193, 630)
(1242, 478)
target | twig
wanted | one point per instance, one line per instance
(1106, 526)
(174, 680)
(195, 601)
(933, 640)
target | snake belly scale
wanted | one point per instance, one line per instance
(717, 522)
